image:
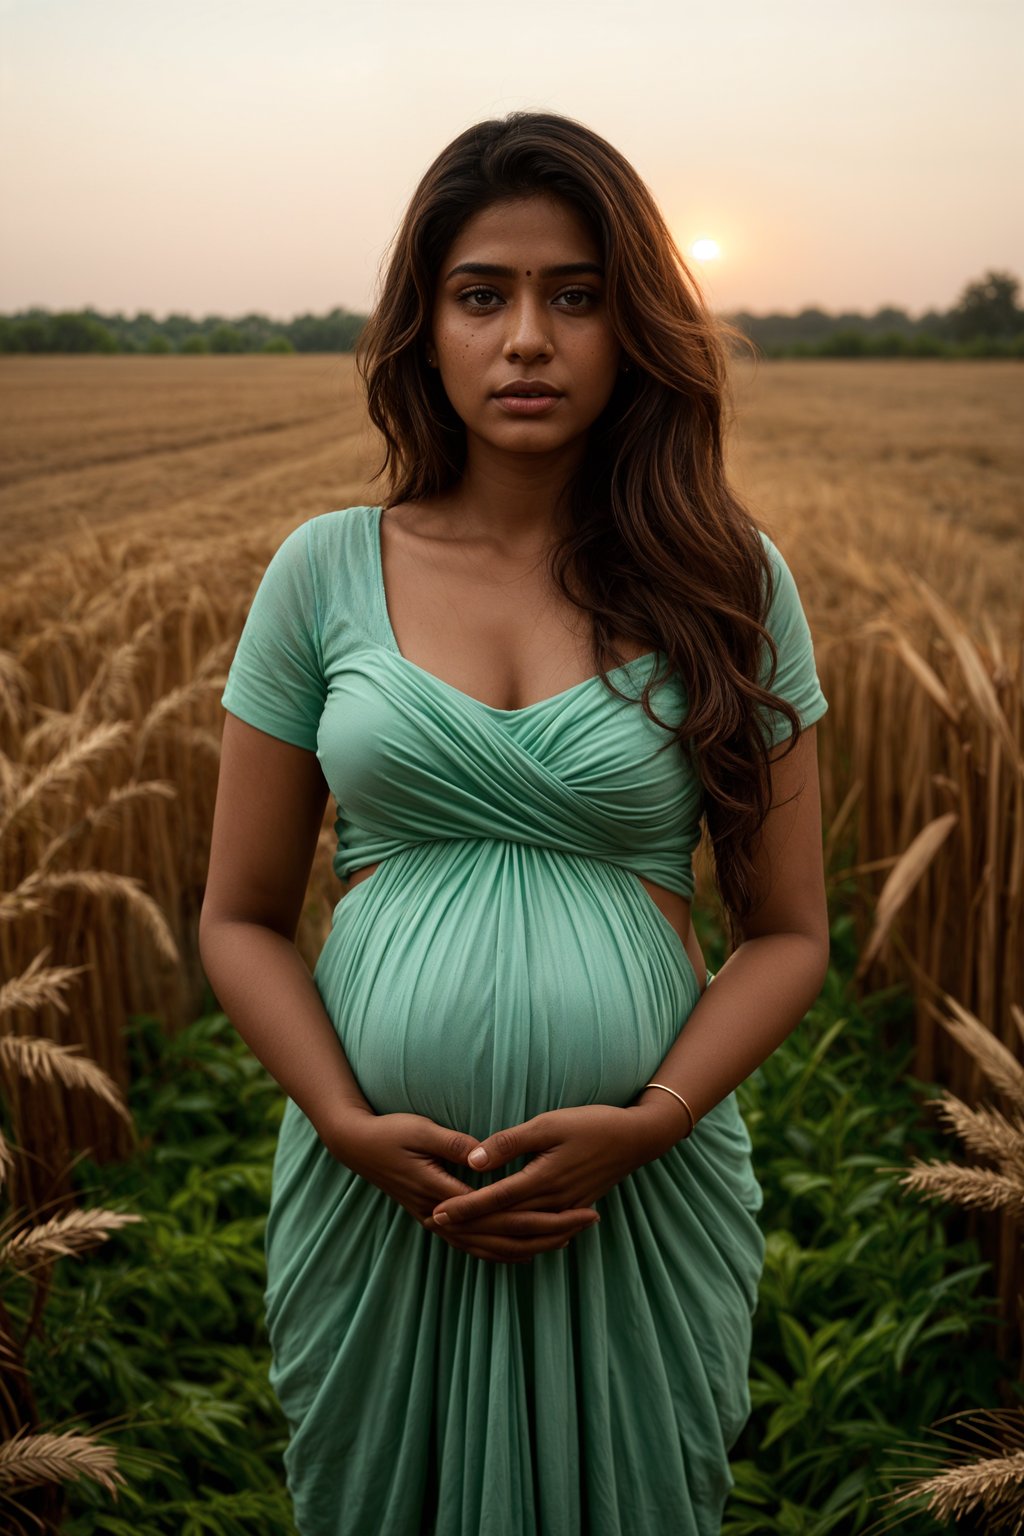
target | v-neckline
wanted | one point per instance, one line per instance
(494, 709)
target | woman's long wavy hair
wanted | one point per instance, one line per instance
(658, 549)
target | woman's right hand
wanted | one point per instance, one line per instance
(403, 1153)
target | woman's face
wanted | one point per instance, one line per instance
(531, 320)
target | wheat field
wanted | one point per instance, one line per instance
(140, 499)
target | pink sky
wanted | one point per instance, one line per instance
(211, 156)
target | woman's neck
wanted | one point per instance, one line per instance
(518, 502)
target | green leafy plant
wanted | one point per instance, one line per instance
(865, 1303)
(167, 1333)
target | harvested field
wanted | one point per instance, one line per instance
(889, 464)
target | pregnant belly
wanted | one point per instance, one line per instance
(482, 982)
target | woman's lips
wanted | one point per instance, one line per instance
(527, 405)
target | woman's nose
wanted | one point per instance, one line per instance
(527, 333)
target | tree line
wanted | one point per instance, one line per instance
(985, 321)
(87, 330)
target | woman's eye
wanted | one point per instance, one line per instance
(579, 293)
(472, 295)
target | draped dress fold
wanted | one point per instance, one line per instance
(504, 959)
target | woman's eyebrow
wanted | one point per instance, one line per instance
(489, 269)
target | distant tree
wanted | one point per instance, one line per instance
(158, 343)
(226, 338)
(335, 332)
(70, 332)
(277, 344)
(988, 307)
(31, 334)
(197, 342)
(890, 321)
(844, 343)
(889, 344)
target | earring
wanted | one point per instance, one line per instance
(431, 360)
(624, 368)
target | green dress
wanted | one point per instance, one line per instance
(505, 959)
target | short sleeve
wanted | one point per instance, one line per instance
(276, 678)
(796, 677)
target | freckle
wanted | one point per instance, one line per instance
(528, 272)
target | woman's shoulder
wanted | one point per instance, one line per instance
(341, 521)
(342, 538)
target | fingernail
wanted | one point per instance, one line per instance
(478, 1157)
(442, 1218)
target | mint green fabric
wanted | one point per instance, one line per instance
(505, 959)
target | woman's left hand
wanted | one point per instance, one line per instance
(576, 1156)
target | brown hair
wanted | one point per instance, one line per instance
(659, 548)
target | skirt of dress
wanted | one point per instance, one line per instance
(595, 1391)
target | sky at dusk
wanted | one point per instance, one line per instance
(208, 156)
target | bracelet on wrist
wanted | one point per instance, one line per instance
(682, 1101)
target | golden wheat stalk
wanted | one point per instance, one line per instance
(977, 681)
(40, 1060)
(27, 1459)
(982, 1484)
(982, 1189)
(1017, 1015)
(37, 986)
(984, 1131)
(102, 884)
(902, 880)
(109, 687)
(170, 703)
(1000, 1066)
(64, 1236)
(106, 815)
(6, 1158)
(64, 772)
(16, 692)
(925, 675)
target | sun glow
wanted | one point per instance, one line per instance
(705, 250)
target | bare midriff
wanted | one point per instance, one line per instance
(675, 907)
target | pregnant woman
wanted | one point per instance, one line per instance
(512, 1250)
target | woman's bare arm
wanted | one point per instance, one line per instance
(767, 985)
(268, 813)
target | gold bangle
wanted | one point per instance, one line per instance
(682, 1101)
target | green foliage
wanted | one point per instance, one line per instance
(985, 322)
(37, 330)
(988, 308)
(159, 1334)
(868, 1312)
(226, 338)
(67, 332)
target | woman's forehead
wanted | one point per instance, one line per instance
(524, 232)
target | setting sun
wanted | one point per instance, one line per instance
(705, 250)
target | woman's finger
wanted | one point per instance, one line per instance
(525, 1224)
(515, 1188)
(514, 1141)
